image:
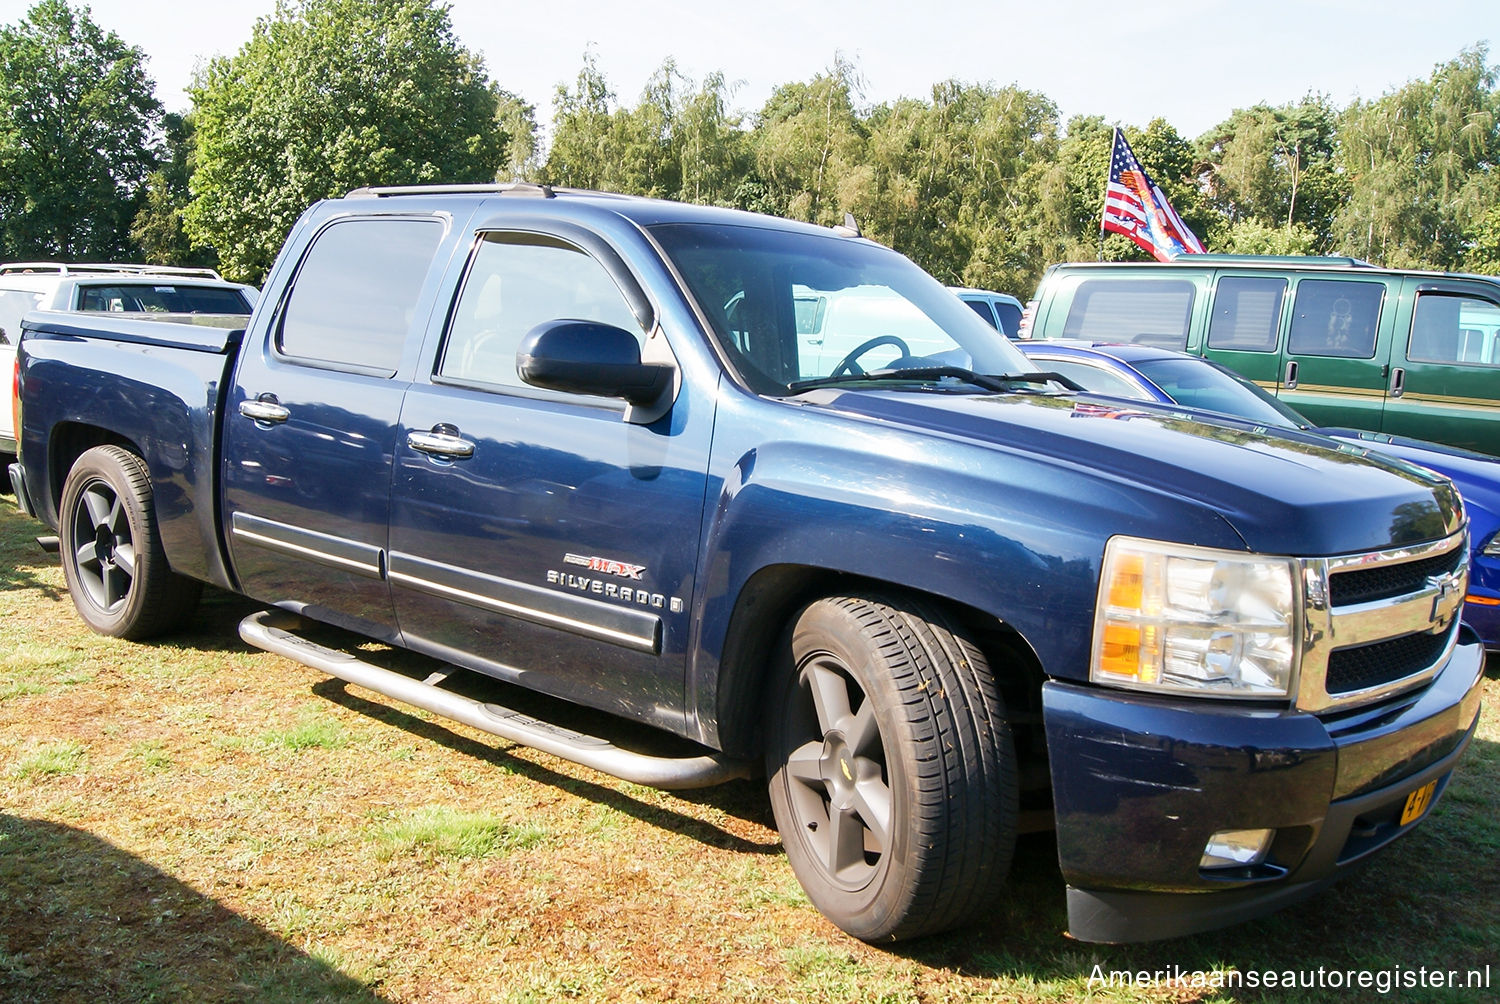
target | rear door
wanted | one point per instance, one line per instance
(1445, 378)
(1245, 325)
(538, 536)
(1338, 344)
(310, 426)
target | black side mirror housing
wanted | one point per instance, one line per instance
(590, 357)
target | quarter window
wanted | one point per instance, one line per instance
(1333, 318)
(515, 282)
(1247, 313)
(1152, 312)
(355, 296)
(1461, 330)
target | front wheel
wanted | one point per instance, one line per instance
(892, 771)
(112, 554)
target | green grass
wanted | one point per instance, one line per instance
(310, 732)
(445, 832)
(53, 759)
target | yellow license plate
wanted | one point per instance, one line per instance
(1418, 802)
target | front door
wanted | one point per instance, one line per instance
(539, 536)
(1447, 386)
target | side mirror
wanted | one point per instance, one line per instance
(589, 357)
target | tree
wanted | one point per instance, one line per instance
(1275, 167)
(953, 182)
(327, 96)
(1422, 164)
(807, 137)
(157, 229)
(678, 142)
(77, 119)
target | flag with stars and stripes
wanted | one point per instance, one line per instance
(1135, 207)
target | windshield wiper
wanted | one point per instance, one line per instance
(1000, 383)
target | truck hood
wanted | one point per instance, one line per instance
(1285, 492)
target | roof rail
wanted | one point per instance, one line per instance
(102, 268)
(515, 188)
(1275, 259)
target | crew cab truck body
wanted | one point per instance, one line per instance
(567, 440)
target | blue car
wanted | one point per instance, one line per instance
(1164, 376)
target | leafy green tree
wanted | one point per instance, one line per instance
(952, 182)
(581, 153)
(77, 119)
(516, 122)
(1275, 167)
(806, 138)
(678, 142)
(1423, 166)
(326, 96)
(157, 229)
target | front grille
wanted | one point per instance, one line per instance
(1378, 624)
(1352, 669)
(1381, 582)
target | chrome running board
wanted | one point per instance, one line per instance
(271, 630)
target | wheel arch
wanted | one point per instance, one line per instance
(68, 442)
(773, 594)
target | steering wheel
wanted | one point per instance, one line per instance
(847, 364)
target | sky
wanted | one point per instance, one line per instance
(1191, 62)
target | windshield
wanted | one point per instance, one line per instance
(788, 308)
(1197, 383)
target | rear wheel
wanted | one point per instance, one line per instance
(112, 554)
(892, 771)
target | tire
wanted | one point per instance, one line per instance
(892, 769)
(111, 550)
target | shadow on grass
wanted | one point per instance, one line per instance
(745, 800)
(22, 561)
(82, 920)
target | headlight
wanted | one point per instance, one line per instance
(1492, 549)
(1194, 620)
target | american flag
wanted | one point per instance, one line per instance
(1135, 207)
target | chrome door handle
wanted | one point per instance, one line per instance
(264, 409)
(1398, 382)
(442, 441)
(1290, 383)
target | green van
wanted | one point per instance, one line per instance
(1347, 344)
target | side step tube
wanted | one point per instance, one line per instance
(268, 629)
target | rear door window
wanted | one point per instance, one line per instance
(1246, 313)
(1335, 318)
(1151, 312)
(355, 295)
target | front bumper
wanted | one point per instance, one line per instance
(1141, 783)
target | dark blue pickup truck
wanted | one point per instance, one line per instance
(771, 488)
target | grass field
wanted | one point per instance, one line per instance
(195, 820)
